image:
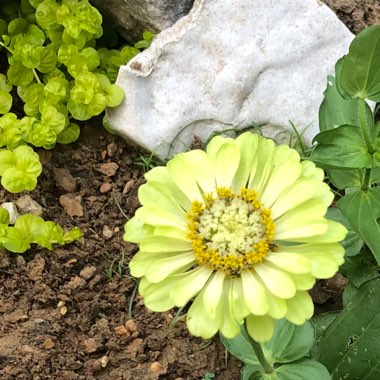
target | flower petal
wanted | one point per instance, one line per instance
(278, 282)
(247, 143)
(238, 301)
(189, 284)
(300, 308)
(304, 281)
(162, 268)
(254, 293)
(161, 174)
(199, 165)
(158, 217)
(277, 306)
(290, 262)
(226, 163)
(261, 328)
(136, 230)
(170, 231)
(260, 173)
(300, 192)
(178, 170)
(199, 323)
(156, 295)
(141, 261)
(164, 244)
(213, 293)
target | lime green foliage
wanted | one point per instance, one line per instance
(348, 146)
(60, 75)
(32, 229)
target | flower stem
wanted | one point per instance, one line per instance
(364, 129)
(259, 352)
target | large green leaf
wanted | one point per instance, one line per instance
(306, 369)
(342, 147)
(342, 178)
(349, 348)
(360, 73)
(335, 110)
(362, 209)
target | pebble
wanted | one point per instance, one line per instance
(76, 282)
(105, 187)
(156, 367)
(48, 344)
(91, 345)
(28, 205)
(64, 180)
(107, 232)
(87, 272)
(109, 169)
(26, 349)
(128, 186)
(71, 204)
(12, 209)
(121, 330)
(112, 149)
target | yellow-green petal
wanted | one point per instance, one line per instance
(291, 262)
(212, 293)
(156, 295)
(239, 306)
(163, 267)
(277, 306)
(254, 293)
(158, 217)
(300, 308)
(333, 233)
(189, 284)
(226, 163)
(164, 243)
(277, 281)
(260, 327)
(135, 230)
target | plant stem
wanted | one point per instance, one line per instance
(364, 127)
(259, 352)
(366, 181)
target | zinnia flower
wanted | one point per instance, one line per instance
(238, 229)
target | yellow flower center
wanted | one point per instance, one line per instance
(230, 232)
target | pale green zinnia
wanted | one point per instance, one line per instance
(238, 229)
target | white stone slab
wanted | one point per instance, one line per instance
(228, 64)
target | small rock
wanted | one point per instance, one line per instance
(28, 205)
(76, 282)
(71, 204)
(87, 272)
(128, 186)
(63, 310)
(20, 261)
(91, 345)
(157, 368)
(36, 267)
(16, 316)
(64, 180)
(26, 349)
(104, 361)
(12, 209)
(116, 229)
(109, 169)
(135, 347)
(105, 188)
(112, 149)
(69, 375)
(48, 344)
(131, 325)
(121, 330)
(107, 232)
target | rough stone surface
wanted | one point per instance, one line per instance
(227, 65)
(133, 17)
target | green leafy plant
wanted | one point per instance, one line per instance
(32, 229)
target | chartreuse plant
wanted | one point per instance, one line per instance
(228, 234)
(32, 229)
(58, 73)
(61, 77)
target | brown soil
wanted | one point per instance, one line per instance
(71, 314)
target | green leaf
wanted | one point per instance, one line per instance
(19, 75)
(45, 14)
(72, 235)
(4, 216)
(349, 347)
(48, 60)
(52, 119)
(335, 110)
(342, 178)
(362, 210)
(342, 147)
(360, 73)
(5, 102)
(4, 84)
(352, 242)
(69, 134)
(289, 343)
(16, 241)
